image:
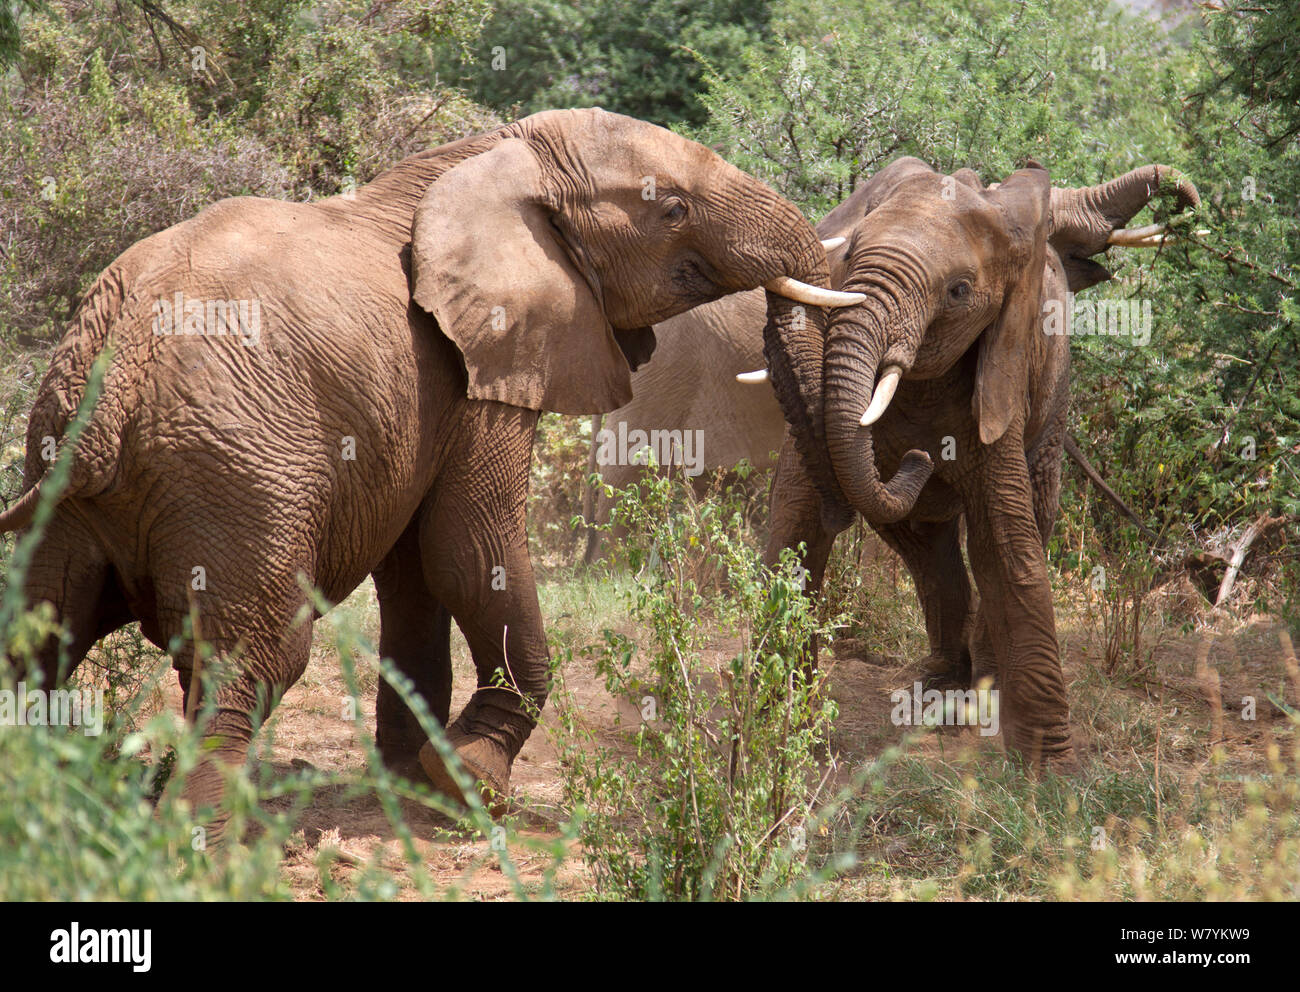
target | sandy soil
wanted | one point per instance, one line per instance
(1199, 687)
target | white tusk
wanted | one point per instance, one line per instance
(884, 392)
(1202, 233)
(759, 375)
(830, 244)
(1137, 236)
(815, 296)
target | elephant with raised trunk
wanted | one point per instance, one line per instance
(945, 393)
(379, 417)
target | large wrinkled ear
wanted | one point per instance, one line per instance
(1002, 377)
(489, 264)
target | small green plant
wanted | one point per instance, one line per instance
(716, 793)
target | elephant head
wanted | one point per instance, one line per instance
(548, 254)
(948, 269)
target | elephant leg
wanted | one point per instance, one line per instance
(415, 632)
(1017, 620)
(474, 541)
(932, 553)
(70, 572)
(248, 613)
(242, 704)
(1044, 463)
(796, 518)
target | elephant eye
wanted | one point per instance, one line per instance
(674, 210)
(959, 291)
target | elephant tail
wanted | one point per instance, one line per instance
(21, 513)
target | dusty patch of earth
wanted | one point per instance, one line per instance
(1203, 689)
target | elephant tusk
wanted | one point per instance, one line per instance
(801, 292)
(830, 244)
(1138, 237)
(883, 394)
(759, 375)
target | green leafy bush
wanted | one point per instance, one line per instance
(718, 800)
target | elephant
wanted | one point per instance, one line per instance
(911, 236)
(951, 380)
(350, 387)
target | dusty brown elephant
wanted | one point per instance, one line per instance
(371, 407)
(951, 380)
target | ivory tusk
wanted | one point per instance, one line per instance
(830, 244)
(759, 375)
(884, 392)
(815, 296)
(1137, 236)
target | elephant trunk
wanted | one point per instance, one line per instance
(858, 349)
(794, 339)
(1120, 199)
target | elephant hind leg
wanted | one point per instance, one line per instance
(71, 572)
(257, 641)
(415, 632)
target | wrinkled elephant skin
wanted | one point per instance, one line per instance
(367, 406)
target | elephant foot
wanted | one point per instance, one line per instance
(945, 673)
(487, 735)
(1043, 752)
(407, 765)
(400, 754)
(485, 760)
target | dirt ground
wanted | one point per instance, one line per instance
(1197, 681)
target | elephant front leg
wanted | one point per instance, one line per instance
(932, 554)
(1017, 619)
(474, 543)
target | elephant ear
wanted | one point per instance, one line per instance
(1002, 376)
(489, 261)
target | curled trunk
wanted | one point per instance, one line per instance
(1117, 201)
(853, 358)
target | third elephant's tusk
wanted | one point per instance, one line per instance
(830, 244)
(801, 292)
(885, 388)
(1138, 237)
(759, 375)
